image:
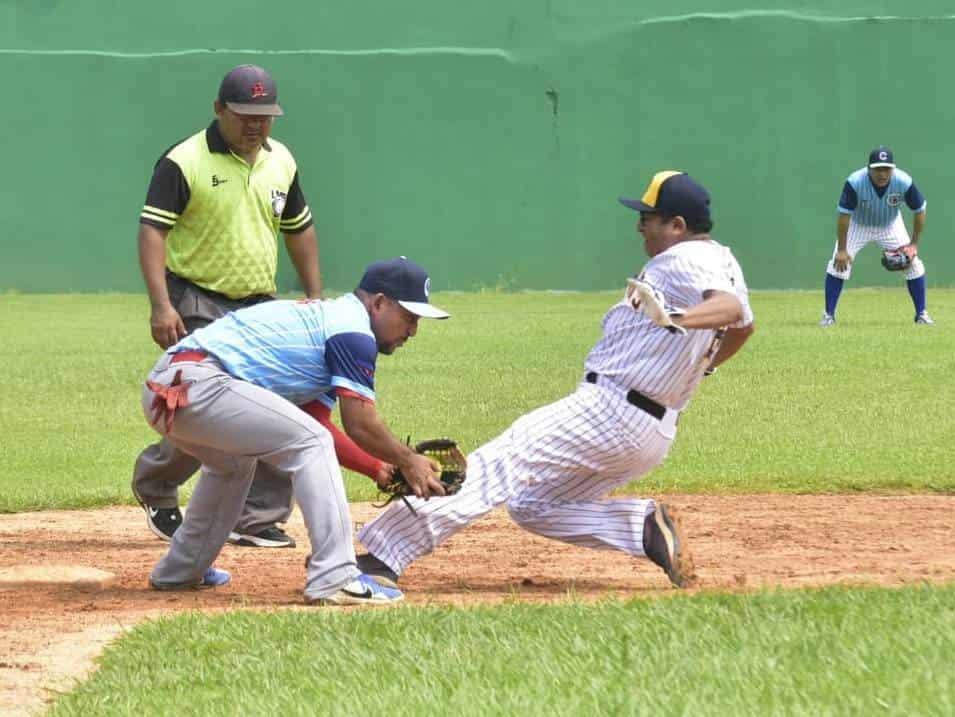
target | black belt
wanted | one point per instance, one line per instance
(242, 302)
(638, 400)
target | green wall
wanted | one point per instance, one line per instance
(488, 142)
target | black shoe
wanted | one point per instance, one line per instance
(272, 537)
(383, 575)
(663, 544)
(164, 522)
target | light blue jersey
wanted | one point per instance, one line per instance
(301, 350)
(874, 207)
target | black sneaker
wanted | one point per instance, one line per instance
(164, 522)
(383, 575)
(663, 543)
(272, 537)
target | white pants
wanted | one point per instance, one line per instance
(553, 468)
(890, 237)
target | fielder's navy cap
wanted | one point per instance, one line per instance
(250, 90)
(675, 194)
(881, 157)
(405, 282)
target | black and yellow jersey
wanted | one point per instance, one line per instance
(224, 215)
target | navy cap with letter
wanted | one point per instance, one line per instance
(250, 90)
(675, 194)
(404, 281)
(881, 157)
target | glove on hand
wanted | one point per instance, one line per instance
(451, 462)
(651, 302)
(896, 259)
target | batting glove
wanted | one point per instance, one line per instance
(651, 302)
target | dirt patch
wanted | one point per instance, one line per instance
(50, 634)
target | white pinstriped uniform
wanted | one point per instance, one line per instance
(877, 218)
(554, 466)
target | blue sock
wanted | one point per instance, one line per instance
(917, 292)
(833, 289)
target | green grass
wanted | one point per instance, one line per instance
(862, 406)
(834, 651)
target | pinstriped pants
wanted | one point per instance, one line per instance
(553, 468)
(890, 237)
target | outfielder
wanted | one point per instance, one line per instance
(554, 467)
(227, 395)
(869, 211)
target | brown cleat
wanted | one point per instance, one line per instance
(664, 544)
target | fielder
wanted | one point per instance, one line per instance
(869, 211)
(228, 393)
(554, 467)
(208, 246)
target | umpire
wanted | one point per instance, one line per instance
(207, 246)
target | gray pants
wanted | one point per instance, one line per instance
(161, 468)
(233, 426)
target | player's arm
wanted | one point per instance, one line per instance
(733, 341)
(362, 423)
(349, 454)
(916, 202)
(165, 323)
(918, 224)
(166, 200)
(842, 260)
(842, 231)
(718, 309)
(301, 240)
(350, 357)
(303, 251)
(848, 202)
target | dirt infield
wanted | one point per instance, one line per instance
(49, 634)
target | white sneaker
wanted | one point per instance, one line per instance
(924, 318)
(827, 320)
(363, 590)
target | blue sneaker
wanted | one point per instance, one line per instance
(215, 578)
(363, 590)
(211, 578)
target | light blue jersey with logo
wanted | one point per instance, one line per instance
(875, 207)
(301, 350)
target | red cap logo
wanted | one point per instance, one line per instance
(258, 90)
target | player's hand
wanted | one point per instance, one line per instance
(383, 477)
(910, 250)
(643, 297)
(166, 325)
(423, 475)
(842, 260)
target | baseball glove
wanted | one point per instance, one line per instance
(896, 260)
(445, 452)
